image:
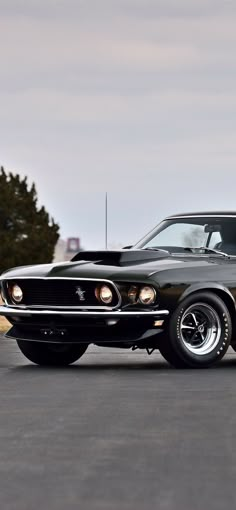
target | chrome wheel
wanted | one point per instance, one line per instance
(200, 328)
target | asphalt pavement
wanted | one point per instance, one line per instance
(117, 430)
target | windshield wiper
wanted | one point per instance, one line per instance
(156, 249)
(197, 249)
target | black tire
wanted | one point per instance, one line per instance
(184, 345)
(51, 354)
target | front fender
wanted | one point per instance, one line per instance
(208, 286)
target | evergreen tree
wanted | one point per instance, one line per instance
(27, 233)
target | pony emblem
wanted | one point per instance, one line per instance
(80, 293)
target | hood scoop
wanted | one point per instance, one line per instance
(120, 258)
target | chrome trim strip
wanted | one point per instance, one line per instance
(201, 216)
(11, 311)
(68, 278)
(51, 307)
(56, 278)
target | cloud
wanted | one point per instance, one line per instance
(104, 8)
(101, 56)
(136, 97)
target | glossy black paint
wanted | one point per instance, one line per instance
(174, 277)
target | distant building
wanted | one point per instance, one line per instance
(65, 250)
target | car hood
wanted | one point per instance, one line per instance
(114, 265)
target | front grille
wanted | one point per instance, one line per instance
(60, 292)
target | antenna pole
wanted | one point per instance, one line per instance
(106, 218)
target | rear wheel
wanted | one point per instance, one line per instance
(51, 354)
(199, 333)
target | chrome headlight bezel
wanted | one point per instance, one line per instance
(2, 295)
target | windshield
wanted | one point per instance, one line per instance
(177, 235)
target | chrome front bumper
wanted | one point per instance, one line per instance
(13, 311)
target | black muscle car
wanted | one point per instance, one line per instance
(174, 291)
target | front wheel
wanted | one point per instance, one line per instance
(51, 354)
(200, 332)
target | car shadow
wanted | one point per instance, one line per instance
(157, 365)
(97, 367)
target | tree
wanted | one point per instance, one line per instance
(27, 233)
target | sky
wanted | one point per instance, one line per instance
(133, 97)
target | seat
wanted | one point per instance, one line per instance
(225, 247)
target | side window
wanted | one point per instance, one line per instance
(215, 239)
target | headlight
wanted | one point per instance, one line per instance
(16, 293)
(133, 294)
(105, 294)
(147, 295)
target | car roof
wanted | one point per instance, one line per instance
(217, 214)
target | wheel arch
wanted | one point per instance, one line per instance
(221, 291)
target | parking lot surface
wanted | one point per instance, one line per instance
(118, 430)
